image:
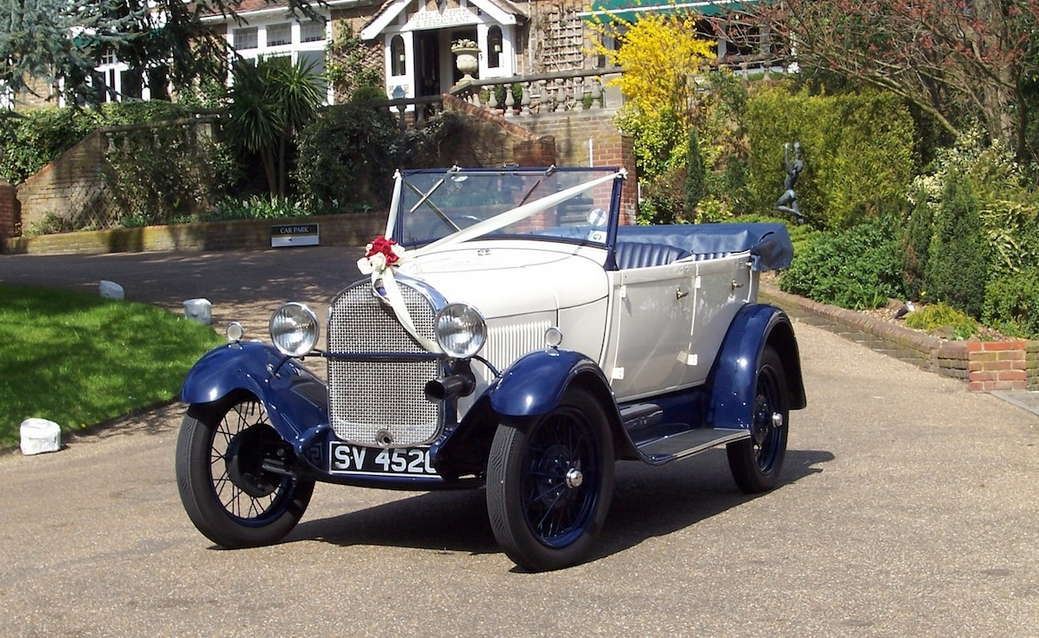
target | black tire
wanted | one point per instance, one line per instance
(530, 465)
(756, 462)
(233, 438)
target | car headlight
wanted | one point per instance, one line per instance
(460, 330)
(294, 329)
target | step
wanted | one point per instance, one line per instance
(688, 443)
(640, 415)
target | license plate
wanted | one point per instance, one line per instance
(356, 459)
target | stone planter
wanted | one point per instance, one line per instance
(467, 59)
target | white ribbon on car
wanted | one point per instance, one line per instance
(378, 267)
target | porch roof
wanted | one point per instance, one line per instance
(503, 11)
(630, 10)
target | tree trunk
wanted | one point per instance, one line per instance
(282, 170)
(267, 158)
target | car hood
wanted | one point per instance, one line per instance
(500, 281)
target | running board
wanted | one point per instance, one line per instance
(685, 444)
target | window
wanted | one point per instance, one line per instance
(279, 34)
(315, 61)
(494, 47)
(131, 84)
(312, 31)
(244, 38)
(397, 56)
(158, 80)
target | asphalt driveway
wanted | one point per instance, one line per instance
(910, 508)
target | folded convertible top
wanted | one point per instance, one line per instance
(769, 244)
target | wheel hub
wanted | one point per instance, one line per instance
(574, 478)
(245, 456)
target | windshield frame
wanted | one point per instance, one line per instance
(395, 223)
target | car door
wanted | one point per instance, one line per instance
(651, 316)
(721, 288)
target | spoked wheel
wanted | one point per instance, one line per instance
(226, 491)
(549, 485)
(756, 462)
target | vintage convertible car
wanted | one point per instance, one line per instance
(509, 334)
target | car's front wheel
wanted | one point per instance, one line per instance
(756, 462)
(549, 484)
(226, 491)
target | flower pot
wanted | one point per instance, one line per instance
(467, 60)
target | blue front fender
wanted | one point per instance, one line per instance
(734, 377)
(534, 384)
(296, 401)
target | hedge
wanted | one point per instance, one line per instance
(858, 151)
(30, 140)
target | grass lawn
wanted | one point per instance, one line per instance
(77, 359)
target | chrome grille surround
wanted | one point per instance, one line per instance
(368, 400)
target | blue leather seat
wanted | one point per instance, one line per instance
(639, 255)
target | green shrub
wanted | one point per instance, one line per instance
(917, 242)
(30, 140)
(256, 207)
(657, 139)
(858, 151)
(957, 267)
(940, 317)
(157, 174)
(347, 156)
(1012, 304)
(695, 174)
(857, 268)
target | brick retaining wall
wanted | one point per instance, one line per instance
(10, 212)
(983, 365)
(336, 230)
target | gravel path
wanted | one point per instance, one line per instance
(911, 507)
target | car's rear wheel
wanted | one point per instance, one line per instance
(549, 484)
(226, 491)
(756, 462)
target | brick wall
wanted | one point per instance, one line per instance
(492, 140)
(573, 129)
(996, 365)
(1032, 364)
(336, 230)
(10, 216)
(68, 186)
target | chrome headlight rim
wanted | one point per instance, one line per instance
(311, 329)
(477, 338)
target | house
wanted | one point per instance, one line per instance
(410, 40)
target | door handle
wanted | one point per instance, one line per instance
(679, 293)
(735, 285)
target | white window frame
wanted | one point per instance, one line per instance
(290, 50)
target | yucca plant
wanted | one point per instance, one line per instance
(270, 101)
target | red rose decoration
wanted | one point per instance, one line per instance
(385, 246)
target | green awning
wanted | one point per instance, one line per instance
(630, 10)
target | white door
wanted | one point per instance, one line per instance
(722, 287)
(649, 329)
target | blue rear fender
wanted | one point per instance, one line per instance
(296, 401)
(734, 376)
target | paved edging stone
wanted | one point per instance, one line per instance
(348, 229)
(984, 365)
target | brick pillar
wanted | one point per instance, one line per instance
(630, 194)
(10, 213)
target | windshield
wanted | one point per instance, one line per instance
(435, 204)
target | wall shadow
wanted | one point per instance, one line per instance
(648, 502)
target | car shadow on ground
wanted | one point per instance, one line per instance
(648, 502)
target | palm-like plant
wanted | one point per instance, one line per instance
(270, 101)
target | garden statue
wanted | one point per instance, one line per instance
(793, 164)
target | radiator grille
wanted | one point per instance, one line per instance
(365, 399)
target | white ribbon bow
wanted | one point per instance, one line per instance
(377, 266)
